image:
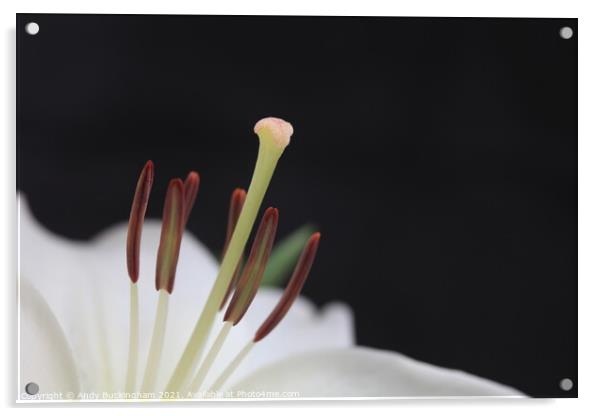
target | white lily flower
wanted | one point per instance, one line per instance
(74, 329)
(84, 315)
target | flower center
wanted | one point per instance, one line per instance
(233, 281)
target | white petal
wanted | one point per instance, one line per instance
(45, 356)
(57, 269)
(87, 286)
(304, 328)
(365, 372)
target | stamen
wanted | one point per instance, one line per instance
(171, 236)
(236, 203)
(253, 272)
(293, 288)
(134, 234)
(172, 230)
(245, 289)
(274, 136)
(191, 189)
(137, 213)
(291, 292)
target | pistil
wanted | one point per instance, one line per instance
(274, 135)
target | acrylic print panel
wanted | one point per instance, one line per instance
(436, 157)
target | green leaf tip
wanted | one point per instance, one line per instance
(285, 255)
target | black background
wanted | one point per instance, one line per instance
(437, 155)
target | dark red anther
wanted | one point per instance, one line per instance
(237, 200)
(137, 213)
(249, 281)
(191, 189)
(293, 288)
(172, 229)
